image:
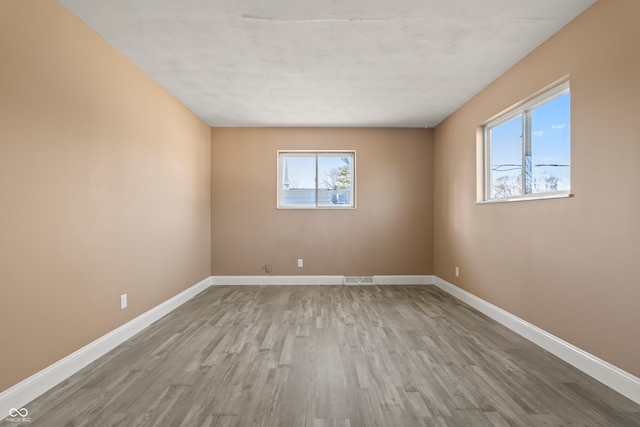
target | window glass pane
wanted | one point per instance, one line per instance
(551, 146)
(298, 178)
(335, 177)
(506, 158)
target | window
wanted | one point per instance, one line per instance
(528, 149)
(316, 179)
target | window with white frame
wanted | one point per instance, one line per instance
(316, 179)
(528, 149)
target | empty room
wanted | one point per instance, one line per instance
(319, 213)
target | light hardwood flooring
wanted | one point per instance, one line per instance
(322, 356)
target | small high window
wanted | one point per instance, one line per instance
(316, 179)
(528, 149)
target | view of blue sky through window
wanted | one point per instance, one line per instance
(550, 141)
(301, 168)
(546, 165)
(316, 179)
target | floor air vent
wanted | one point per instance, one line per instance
(358, 280)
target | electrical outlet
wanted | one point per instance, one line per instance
(300, 262)
(123, 301)
(457, 271)
(267, 268)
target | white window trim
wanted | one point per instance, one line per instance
(538, 196)
(315, 207)
(521, 109)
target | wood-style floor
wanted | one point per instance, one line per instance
(329, 356)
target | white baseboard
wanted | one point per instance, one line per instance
(32, 387)
(404, 280)
(316, 280)
(275, 280)
(24, 392)
(621, 381)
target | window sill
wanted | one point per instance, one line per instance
(525, 198)
(313, 208)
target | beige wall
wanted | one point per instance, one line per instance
(567, 266)
(110, 186)
(104, 184)
(390, 232)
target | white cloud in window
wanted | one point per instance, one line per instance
(538, 133)
(560, 126)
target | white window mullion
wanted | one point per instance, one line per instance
(549, 113)
(527, 166)
(317, 186)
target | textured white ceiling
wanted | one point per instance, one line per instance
(369, 63)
